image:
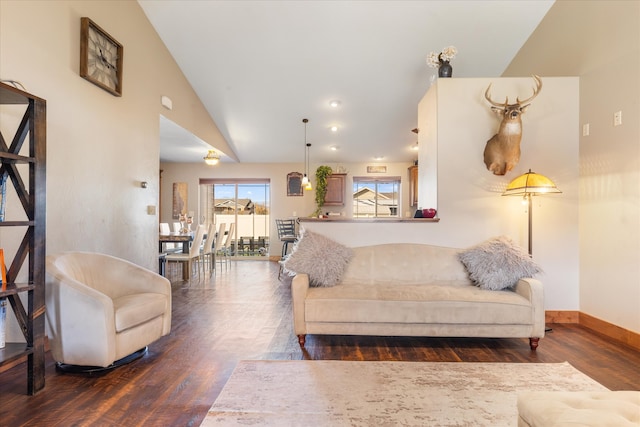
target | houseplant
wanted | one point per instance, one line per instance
(322, 173)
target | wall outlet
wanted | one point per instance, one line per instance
(585, 129)
(617, 118)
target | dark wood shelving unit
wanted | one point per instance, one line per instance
(30, 186)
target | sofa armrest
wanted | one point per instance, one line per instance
(533, 290)
(299, 289)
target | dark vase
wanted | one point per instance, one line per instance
(445, 69)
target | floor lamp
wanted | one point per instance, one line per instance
(527, 185)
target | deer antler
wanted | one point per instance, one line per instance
(536, 90)
(487, 96)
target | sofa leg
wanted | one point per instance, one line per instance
(533, 343)
(301, 339)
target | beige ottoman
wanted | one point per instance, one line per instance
(598, 408)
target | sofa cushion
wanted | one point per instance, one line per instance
(497, 263)
(323, 259)
(133, 310)
(405, 264)
(387, 303)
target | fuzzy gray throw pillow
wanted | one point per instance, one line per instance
(323, 259)
(497, 263)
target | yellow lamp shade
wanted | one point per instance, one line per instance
(530, 183)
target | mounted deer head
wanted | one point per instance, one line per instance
(502, 151)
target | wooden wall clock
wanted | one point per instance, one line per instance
(100, 57)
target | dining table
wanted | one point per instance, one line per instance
(180, 238)
(183, 238)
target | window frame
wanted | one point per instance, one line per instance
(395, 181)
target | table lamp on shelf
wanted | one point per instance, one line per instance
(528, 185)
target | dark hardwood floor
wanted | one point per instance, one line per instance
(245, 313)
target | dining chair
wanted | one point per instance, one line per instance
(286, 234)
(245, 245)
(193, 257)
(219, 242)
(226, 250)
(164, 228)
(177, 227)
(207, 252)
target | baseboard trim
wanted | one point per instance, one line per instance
(624, 336)
(554, 316)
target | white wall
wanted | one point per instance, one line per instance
(99, 147)
(428, 153)
(470, 205)
(599, 41)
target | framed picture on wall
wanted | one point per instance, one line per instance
(294, 184)
(179, 199)
(377, 169)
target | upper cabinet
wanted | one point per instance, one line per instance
(335, 190)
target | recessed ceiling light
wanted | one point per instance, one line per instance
(334, 103)
(334, 128)
(334, 148)
(414, 147)
(378, 158)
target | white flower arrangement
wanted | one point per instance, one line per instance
(448, 53)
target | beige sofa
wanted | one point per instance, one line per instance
(415, 290)
(101, 309)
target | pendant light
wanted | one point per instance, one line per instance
(305, 179)
(307, 186)
(212, 158)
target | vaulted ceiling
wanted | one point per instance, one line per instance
(260, 67)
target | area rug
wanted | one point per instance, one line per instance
(346, 393)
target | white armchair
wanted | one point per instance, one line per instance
(101, 309)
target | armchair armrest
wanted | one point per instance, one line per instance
(299, 289)
(533, 290)
(80, 320)
(123, 277)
